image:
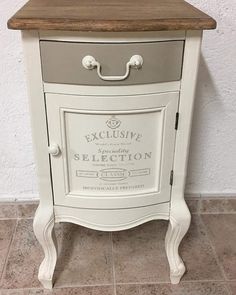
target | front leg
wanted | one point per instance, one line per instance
(44, 231)
(178, 226)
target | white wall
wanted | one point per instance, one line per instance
(212, 165)
(17, 170)
(212, 162)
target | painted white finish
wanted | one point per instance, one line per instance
(44, 221)
(179, 212)
(44, 217)
(90, 63)
(179, 222)
(76, 123)
(54, 149)
(122, 37)
(152, 115)
(211, 168)
(38, 114)
(109, 220)
(116, 90)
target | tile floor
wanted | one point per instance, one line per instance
(130, 262)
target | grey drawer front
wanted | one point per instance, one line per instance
(62, 62)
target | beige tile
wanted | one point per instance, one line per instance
(8, 210)
(39, 292)
(232, 287)
(196, 288)
(139, 253)
(6, 232)
(24, 258)
(97, 290)
(218, 206)
(193, 205)
(84, 256)
(140, 256)
(198, 255)
(22, 292)
(27, 210)
(221, 230)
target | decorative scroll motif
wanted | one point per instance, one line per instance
(113, 122)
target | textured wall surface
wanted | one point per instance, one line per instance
(212, 164)
(17, 169)
(212, 161)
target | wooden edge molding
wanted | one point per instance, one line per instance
(16, 23)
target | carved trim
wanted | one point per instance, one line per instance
(49, 259)
(44, 232)
(178, 226)
(107, 227)
(173, 238)
(115, 90)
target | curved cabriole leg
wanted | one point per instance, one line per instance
(178, 226)
(44, 231)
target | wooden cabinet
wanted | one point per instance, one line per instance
(111, 98)
(113, 151)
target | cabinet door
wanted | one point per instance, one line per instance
(115, 152)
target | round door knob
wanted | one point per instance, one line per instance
(54, 149)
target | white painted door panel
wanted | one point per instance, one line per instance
(115, 152)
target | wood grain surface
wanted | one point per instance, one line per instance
(110, 16)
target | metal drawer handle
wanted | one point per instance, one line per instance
(90, 63)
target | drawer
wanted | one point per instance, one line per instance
(113, 64)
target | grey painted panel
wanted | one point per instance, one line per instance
(62, 62)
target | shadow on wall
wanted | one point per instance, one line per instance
(206, 93)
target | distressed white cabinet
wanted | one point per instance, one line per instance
(113, 151)
(111, 111)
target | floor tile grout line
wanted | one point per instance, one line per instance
(231, 280)
(8, 252)
(218, 213)
(131, 283)
(16, 218)
(113, 263)
(8, 218)
(77, 286)
(200, 205)
(21, 289)
(227, 287)
(214, 250)
(121, 284)
(202, 198)
(57, 288)
(168, 282)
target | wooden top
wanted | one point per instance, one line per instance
(110, 16)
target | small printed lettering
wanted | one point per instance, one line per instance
(114, 188)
